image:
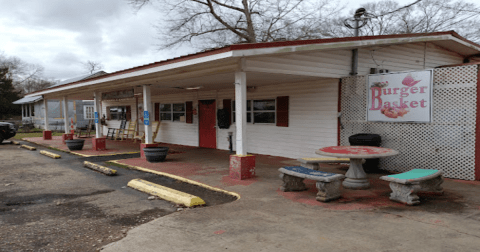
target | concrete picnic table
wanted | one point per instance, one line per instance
(356, 178)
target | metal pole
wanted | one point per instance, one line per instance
(355, 51)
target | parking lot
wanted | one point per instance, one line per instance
(58, 205)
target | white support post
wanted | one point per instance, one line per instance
(45, 104)
(98, 111)
(65, 113)
(241, 112)
(23, 111)
(29, 110)
(147, 107)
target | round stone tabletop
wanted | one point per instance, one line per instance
(356, 152)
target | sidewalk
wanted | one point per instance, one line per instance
(267, 219)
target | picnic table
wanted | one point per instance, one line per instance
(356, 178)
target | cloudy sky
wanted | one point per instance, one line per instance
(61, 34)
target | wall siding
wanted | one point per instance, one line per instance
(337, 63)
(312, 105)
(312, 119)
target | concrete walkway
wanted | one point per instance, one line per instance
(266, 219)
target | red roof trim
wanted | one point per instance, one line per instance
(262, 45)
(345, 39)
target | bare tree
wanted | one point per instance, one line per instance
(26, 77)
(210, 23)
(92, 66)
(422, 17)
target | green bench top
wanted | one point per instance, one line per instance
(413, 176)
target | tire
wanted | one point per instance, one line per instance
(1, 138)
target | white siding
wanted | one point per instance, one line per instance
(313, 105)
(337, 63)
(312, 121)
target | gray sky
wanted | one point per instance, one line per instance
(60, 34)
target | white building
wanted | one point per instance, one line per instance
(289, 90)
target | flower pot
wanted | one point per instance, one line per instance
(76, 144)
(155, 154)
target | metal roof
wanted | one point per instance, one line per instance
(25, 100)
(79, 78)
(469, 48)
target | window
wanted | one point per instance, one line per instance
(172, 112)
(263, 111)
(88, 112)
(118, 113)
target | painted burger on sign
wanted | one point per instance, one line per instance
(400, 97)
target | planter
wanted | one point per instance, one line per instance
(76, 144)
(155, 154)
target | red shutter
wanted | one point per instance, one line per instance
(128, 113)
(157, 112)
(189, 112)
(227, 105)
(108, 112)
(282, 111)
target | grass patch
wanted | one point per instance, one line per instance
(118, 165)
(21, 135)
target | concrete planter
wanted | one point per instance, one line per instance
(155, 154)
(76, 144)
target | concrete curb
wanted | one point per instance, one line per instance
(166, 193)
(28, 147)
(193, 182)
(99, 168)
(49, 154)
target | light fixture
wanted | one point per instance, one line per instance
(194, 88)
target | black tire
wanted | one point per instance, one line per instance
(1, 138)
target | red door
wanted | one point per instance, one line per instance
(207, 124)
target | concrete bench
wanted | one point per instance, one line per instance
(406, 185)
(328, 184)
(312, 163)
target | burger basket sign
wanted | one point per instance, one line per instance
(400, 97)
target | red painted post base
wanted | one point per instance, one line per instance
(242, 167)
(99, 144)
(47, 135)
(67, 137)
(72, 132)
(144, 145)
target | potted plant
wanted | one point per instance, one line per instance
(75, 144)
(155, 154)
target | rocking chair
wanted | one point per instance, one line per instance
(141, 135)
(130, 131)
(86, 130)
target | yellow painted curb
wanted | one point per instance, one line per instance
(15, 142)
(166, 193)
(49, 154)
(28, 147)
(193, 182)
(99, 168)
